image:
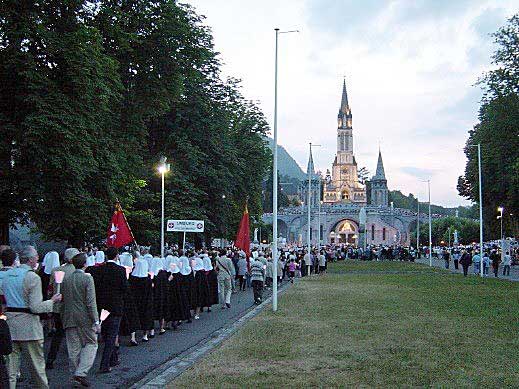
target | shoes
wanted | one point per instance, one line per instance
(133, 343)
(228, 305)
(197, 317)
(151, 336)
(223, 306)
(162, 331)
(105, 371)
(81, 381)
(145, 339)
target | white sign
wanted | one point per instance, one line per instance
(185, 226)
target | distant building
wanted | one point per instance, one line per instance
(343, 197)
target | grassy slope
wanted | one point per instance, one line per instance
(414, 329)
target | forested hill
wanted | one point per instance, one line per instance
(410, 202)
(287, 166)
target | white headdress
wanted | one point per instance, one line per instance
(50, 261)
(141, 269)
(100, 256)
(185, 267)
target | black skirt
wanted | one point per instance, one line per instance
(179, 305)
(142, 294)
(161, 295)
(130, 321)
(212, 281)
(201, 290)
(187, 289)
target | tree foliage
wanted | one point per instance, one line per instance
(498, 134)
(468, 231)
(92, 93)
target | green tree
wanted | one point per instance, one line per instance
(498, 134)
(468, 231)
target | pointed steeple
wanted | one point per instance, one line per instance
(345, 107)
(380, 174)
(344, 116)
(310, 168)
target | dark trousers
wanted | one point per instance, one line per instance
(456, 264)
(465, 269)
(4, 375)
(242, 282)
(496, 270)
(506, 270)
(109, 331)
(257, 288)
(57, 338)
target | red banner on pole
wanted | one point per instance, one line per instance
(119, 232)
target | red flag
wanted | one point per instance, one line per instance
(119, 232)
(242, 240)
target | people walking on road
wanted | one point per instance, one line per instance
(226, 272)
(456, 257)
(507, 261)
(446, 257)
(495, 259)
(465, 261)
(80, 319)
(476, 259)
(59, 332)
(111, 287)
(24, 301)
(141, 287)
(292, 267)
(241, 271)
(486, 263)
(256, 268)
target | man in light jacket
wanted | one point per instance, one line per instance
(226, 272)
(24, 301)
(80, 319)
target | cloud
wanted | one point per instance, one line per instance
(410, 69)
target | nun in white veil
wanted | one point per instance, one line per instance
(50, 261)
(201, 288)
(142, 295)
(161, 295)
(186, 282)
(100, 258)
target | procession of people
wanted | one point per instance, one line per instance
(112, 294)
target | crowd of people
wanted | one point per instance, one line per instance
(115, 294)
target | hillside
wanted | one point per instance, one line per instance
(409, 202)
(287, 166)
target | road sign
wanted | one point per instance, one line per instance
(185, 226)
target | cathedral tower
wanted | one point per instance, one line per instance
(343, 185)
(379, 191)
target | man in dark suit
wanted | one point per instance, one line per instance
(111, 286)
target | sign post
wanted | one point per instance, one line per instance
(185, 226)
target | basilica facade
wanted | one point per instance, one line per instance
(339, 197)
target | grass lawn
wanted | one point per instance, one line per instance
(365, 324)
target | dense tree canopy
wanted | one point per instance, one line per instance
(468, 231)
(498, 134)
(92, 93)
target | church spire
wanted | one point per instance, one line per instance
(310, 170)
(344, 116)
(380, 174)
(345, 107)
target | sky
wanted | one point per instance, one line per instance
(410, 68)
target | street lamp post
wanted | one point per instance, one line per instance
(430, 224)
(275, 183)
(308, 231)
(418, 230)
(163, 169)
(500, 210)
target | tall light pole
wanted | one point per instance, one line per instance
(500, 210)
(480, 209)
(430, 223)
(275, 183)
(163, 169)
(418, 230)
(309, 198)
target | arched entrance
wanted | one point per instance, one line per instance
(346, 231)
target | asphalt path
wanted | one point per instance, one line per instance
(137, 361)
(514, 271)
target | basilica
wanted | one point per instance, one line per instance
(340, 196)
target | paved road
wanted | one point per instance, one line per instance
(136, 362)
(514, 271)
